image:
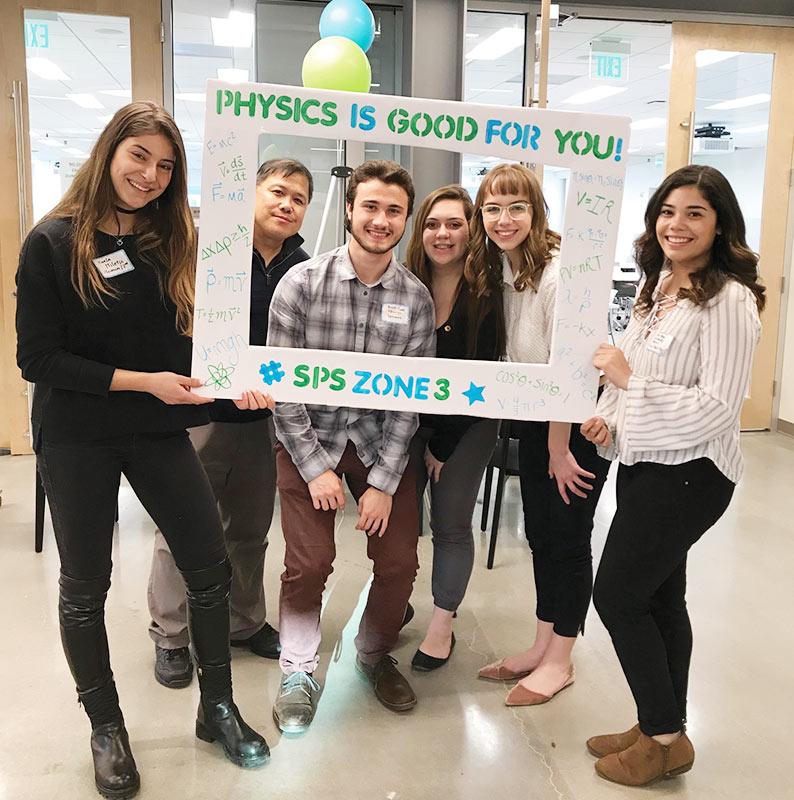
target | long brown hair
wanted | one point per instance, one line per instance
(417, 261)
(730, 257)
(484, 264)
(166, 235)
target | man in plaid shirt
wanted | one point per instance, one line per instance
(357, 298)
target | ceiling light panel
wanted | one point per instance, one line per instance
(742, 102)
(46, 69)
(84, 99)
(504, 41)
(594, 94)
(651, 122)
(232, 75)
(237, 30)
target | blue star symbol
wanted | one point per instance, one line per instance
(474, 393)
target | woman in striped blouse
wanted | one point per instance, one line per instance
(670, 415)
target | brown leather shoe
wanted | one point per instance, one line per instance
(519, 696)
(609, 743)
(647, 761)
(391, 688)
(499, 672)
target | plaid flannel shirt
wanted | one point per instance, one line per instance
(321, 304)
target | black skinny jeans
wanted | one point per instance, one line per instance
(81, 480)
(641, 584)
(559, 534)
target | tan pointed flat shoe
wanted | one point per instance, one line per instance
(519, 696)
(497, 671)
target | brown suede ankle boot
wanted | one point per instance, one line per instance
(609, 743)
(646, 761)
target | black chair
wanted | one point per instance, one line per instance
(505, 461)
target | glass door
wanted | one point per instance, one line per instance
(64, 73)
(730, 106)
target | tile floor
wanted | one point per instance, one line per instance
(461, 742)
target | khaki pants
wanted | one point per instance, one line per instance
(239, 461)
(309, 558)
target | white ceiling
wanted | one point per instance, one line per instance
(94, 51)
(648, 86)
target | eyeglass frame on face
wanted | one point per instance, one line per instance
(526, 206)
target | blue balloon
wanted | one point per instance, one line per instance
(351, 19)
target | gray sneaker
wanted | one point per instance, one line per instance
(296, 703)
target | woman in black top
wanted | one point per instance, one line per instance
(105, 302)
(452, 451)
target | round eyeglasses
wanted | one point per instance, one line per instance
(515, 211)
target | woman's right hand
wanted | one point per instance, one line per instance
(174, 389)
(595, 430)
(564, 468)
(433, 465)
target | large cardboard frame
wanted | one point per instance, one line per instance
(593, 146)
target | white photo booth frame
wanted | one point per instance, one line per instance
(593, 146)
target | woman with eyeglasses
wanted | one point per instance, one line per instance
(515, 254)
(451, 451)
(104, 315)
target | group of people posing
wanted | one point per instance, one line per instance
(108, 348)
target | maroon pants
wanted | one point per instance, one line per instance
(309, 558)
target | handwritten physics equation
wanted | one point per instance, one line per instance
(591, 145)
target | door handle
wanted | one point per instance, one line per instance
(22, 185)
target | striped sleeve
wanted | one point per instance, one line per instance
(607, 409)
(662, 416)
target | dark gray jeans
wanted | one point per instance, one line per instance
(452, 502)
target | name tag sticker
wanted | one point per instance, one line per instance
(659, 343)
(114, 264)
(395, 313)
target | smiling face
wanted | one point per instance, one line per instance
(686, 227)
(141, 169)
(445, 236)
(378, 215)
(281, 202)
(505, 232)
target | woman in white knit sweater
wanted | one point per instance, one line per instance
(670, 416)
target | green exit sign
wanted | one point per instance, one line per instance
(609, 61)
(37, 35)
(609, 66)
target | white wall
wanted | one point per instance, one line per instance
(642, 179)
(743, 168)
(786, 408)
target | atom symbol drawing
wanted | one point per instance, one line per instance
(219, 376)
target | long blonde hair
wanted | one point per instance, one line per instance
(484, 265)
(166, 235)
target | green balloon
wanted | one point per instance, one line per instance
(336, 62)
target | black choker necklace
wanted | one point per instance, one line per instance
(127, 210)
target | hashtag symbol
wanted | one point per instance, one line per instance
(272, 372)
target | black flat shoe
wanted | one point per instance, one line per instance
(425, 663)
(263, 643)
(409, 615)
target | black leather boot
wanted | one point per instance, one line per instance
(82, 617)
(208, 620)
